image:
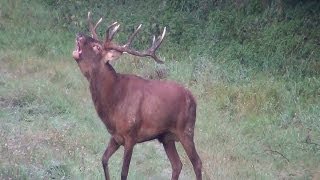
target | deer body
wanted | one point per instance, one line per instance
(145, 108)
(134, 109)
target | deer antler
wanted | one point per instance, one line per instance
(130, 39)
(111, 31)
(113, 28)
(93, 28)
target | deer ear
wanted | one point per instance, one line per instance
(111, 55)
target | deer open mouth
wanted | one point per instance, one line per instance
(77, 52)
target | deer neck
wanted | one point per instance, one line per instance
(102, 83)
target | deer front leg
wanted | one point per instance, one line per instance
(128, 148)
(111, 149)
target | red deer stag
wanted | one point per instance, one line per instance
(134, 109)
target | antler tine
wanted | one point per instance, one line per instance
(93, 28)
(156, 43)
(111, 31)
(153, 39)
(130, 39)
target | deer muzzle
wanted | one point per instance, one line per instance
(77, 52)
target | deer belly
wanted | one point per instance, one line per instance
(147, 135)
(153, 130)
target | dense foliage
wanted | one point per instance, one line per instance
(276, 36)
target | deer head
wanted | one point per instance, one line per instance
(90, 51)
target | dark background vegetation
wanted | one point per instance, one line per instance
(267, 35)
(253, 66)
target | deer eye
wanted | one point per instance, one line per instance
(96, 48)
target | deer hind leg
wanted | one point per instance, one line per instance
(173, 156)
(188, 145)
(128, 149)
(113, 146)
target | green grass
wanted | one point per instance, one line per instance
(257, 92)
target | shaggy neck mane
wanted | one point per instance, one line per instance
(102, 84)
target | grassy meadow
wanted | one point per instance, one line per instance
(254, 72)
